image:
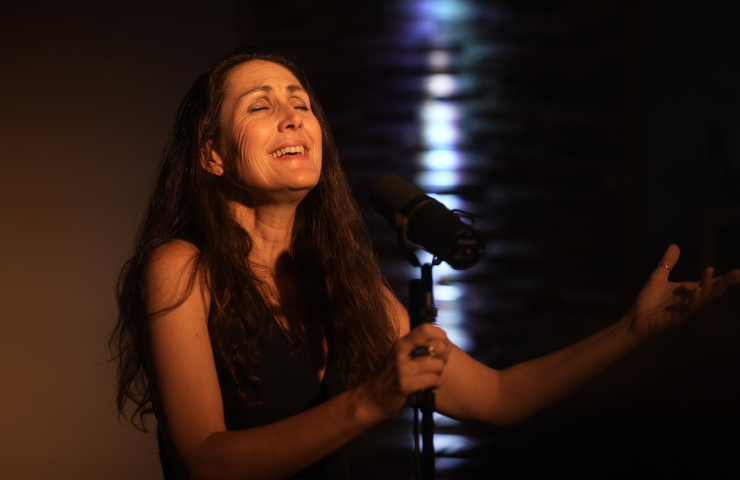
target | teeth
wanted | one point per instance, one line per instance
(279, 153)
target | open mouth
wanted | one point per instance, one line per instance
(298, 150)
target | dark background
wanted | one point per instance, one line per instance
(592, 135)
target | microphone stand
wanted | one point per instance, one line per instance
(421, 309)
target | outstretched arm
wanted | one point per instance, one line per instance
(472, 391)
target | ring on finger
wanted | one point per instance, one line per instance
(423, 351)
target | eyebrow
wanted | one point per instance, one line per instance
(267, 88)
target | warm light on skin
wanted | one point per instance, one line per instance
(266, 109)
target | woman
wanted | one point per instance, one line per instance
(255, 322)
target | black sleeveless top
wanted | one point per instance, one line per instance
(289, 388)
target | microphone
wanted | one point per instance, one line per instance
(429, 223)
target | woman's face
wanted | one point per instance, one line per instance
(270, 136)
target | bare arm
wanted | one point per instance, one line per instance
(188, 402)
(472, 391)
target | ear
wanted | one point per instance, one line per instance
(210, 159)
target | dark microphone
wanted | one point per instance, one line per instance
(429, 223)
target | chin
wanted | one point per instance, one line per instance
(303, 182)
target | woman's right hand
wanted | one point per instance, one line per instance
(403, 374)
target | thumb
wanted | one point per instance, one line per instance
(669, 260)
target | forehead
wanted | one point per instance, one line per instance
(257, 73)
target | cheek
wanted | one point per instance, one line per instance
(320, 158)
(316, 128)
(247, 144)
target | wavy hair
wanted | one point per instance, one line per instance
(330, 246)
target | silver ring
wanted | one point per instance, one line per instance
(423, 351)
(665, 266)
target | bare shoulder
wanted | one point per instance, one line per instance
(172, 257)
(171, 275)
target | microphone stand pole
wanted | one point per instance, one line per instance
(422, 309)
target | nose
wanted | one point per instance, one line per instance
(292, 120)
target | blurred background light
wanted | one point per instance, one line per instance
(440, 159)
(459, 336)
(447, 293)
(439, 178)
(440, 59)
(440, 134)
(452, 202)
(441, 85)
(434, 110)
(445, 10)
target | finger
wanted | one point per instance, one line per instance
(428, 331)
(727, 280)
(666, 264)
(427, 334)
(412, 374)
(733, 277)
(695, 301)
(420, 352)
(405, 353)
(420, 382)
(436, 348)
(428, 365)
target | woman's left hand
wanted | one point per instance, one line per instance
(662, 304)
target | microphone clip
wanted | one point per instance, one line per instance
(401, 224)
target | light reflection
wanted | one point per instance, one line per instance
(441, 159)
(441, 85)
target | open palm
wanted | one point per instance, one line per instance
(662, 303)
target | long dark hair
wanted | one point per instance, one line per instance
(330, 246)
